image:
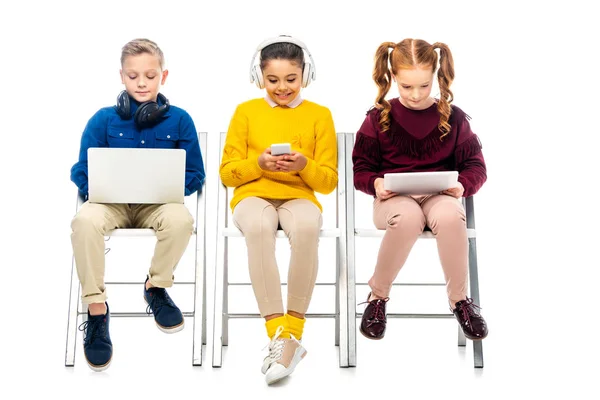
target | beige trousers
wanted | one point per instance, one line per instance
(301, 220)
(404, 218)
(173, 225)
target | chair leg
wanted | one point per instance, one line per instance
(462, 340)
(217, 353)
(198, 323)
(226, 294)
(337, 296)
(204, 323)
(72, 317)
(474, 287)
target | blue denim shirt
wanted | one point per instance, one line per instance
(175, 131)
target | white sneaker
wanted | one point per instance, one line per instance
(284, 355)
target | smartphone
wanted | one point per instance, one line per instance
(278, 149)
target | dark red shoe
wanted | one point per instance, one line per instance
(470, 320)
(374, 319)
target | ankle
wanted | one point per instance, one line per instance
(373, 296)
(97, 309)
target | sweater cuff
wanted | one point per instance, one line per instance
(310, 170)
(466, 185)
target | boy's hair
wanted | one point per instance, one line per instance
(282, 51)
(408, 54)
(141, 46)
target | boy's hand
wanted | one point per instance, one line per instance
(292, 162)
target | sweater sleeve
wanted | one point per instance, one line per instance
(320, 172)
(469, 161)
(194, 166)
(366, 155)
(236, 168)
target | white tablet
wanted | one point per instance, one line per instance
(420, 182)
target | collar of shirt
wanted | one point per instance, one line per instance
(293, 104)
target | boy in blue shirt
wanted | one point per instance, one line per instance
(142, 118)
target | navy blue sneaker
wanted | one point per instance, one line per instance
(167, 315)
(97, 346)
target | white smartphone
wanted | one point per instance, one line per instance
(278, 149)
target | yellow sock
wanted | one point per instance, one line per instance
(275, 323)
(296, 325)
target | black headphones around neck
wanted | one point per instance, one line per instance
(147, 114)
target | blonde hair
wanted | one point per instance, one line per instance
(409, 54)
(141, 46)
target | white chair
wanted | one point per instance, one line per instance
(198, 313)
(352, 233)
(225, 231)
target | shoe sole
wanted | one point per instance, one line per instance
(98, 368)
(173, 329)
(298, 356)
(370, 337)
(168, 329)
(476, 339)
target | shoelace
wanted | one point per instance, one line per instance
(468, 310)
(275, 346)
(96, 328)
(158, 298)
(378, 310)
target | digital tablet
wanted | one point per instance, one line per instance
(420, 182)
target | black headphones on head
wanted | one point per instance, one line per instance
(147, 114)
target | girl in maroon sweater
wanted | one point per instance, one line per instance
(412, 133)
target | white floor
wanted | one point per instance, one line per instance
(417, 359)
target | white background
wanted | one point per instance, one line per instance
(525, 71)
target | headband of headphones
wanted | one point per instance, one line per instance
(311, 73)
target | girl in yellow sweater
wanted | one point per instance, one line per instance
(274, 191)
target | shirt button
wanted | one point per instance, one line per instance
(143, 142)
(168, 136)
(121, 134)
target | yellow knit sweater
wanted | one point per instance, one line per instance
(255, 126)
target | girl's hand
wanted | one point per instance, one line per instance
(380, 192)
(268, 162)
(291, 162)
(455, 191)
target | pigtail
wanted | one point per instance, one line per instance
(383, 79)
(445, 79)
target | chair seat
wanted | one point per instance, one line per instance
(380, 232)
(129, 232)
(235, 232)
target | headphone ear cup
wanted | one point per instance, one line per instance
(258, 77)
(123, 106)
(306, 74)
(150, 112)
(143, 113)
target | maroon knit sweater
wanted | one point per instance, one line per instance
(412, 144)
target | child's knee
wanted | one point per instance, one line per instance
(86, 222)
(448, 215)
(406, 221)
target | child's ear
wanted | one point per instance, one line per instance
(165, 73)
(121, 75)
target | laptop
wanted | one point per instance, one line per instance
(136, 176)
(420, 182)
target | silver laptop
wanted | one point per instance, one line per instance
(137, 176)
(420, 182)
